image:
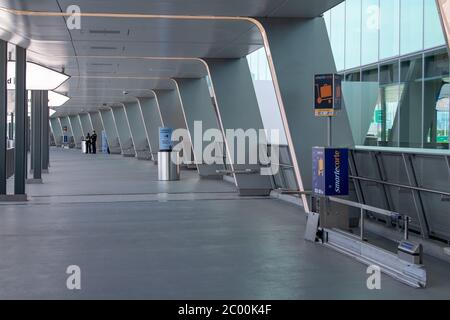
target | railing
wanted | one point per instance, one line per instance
(415, 182)
(412, 182)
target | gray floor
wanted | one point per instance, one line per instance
(135, 237)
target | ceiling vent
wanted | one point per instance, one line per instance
(104, 31)
(98, 64)
(103, 48)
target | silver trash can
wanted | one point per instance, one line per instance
(83, 146)
(168, 166)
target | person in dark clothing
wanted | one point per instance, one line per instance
(88, 143)
(94, 142)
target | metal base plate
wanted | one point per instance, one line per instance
(34, 181)
(389, 263)
(13, 198)
(311, 226)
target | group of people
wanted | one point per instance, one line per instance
(91, 142)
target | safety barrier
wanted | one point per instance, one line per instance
(413, 182)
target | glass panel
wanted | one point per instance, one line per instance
(360, 99)
(411, 18)
(433, 29)
(386, 112)
(436, 100)
(259, 67)
(444, 9)
(353, 34)
(389, 28)
(370, 27)
(338, 35)
(410, 131)
(371, 76)
(355, 76)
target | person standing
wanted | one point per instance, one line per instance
(94, 142)
(88, 143)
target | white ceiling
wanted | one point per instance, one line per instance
(110, 55)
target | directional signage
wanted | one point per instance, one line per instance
(327, 94)
(330, 171)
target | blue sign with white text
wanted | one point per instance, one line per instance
(165, 139)
(330, 171)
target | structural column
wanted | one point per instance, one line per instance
(300, 49)
(21, 125)
(96, 124)
(112, 136)
(36, 136)
(238, 109)
(152, 121)
(137, 129)
(86, 124)
(200, 117)
(172, 115)
(55, 125)
(77, 131)
(123, 130)
(3, 115)
(65, 125)
(45, 132)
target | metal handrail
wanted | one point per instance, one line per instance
(403, 186)
(363, 208)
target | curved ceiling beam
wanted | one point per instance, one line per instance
(253, 21)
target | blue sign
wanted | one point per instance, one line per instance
(327, 94)
(330, 171)
(165, 139)
(104, 142)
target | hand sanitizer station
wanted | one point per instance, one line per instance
(168, 160)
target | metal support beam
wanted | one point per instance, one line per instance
(381, 176)
(137, 129)
(57, 131)
(198, 108)
(45, 132)
(3, 115)
(152, 120)
(297, 49)
(112, 136)
(36, 136)
(237, 108)
(97, 125)
(123, 130)
(447, 159)
(354, 172)
(77, 131)
(417, 198)
(86, 123)
(21, 123)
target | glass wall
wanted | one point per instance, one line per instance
(412, 109)
(367, 31)
(401, 49)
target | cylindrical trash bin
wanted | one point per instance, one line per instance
(83, 146)
(168, 167)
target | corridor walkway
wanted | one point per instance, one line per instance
(135, 237)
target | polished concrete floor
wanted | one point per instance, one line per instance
(136, 238)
